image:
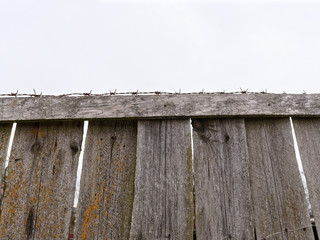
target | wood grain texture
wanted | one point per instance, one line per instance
(5, 132)
(107, 181)
(159, 106)
(163, 203)
(222, 192)
(41, 181)
(308, 138)
(278, 197)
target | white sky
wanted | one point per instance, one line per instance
(63, 46)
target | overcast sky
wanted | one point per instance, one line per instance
(63, 46)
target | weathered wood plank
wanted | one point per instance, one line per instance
(278, 197)
(308, 138)
(159, 106)
(5, 131)
(107, 181)
(163, 203)
(222, 192)
(41, 181)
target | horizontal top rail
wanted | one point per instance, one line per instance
(158, 106)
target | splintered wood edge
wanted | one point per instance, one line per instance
(47, 108)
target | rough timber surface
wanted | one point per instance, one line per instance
(222, 192)
(5, 131)
(158, 106)
(308, 138)
(163, 203)
(107, 181)
(278, 197)
(41, 181)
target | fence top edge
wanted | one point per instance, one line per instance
(159, 106)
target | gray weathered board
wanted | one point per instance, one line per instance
(107, 183)
(41, 181)
(163, 203)
(308, 138)
(247, 182)
(158, 106)
(222, 191)
(5, 130)
(278, 197)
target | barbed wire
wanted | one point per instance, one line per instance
(113, 93)
(272, 234)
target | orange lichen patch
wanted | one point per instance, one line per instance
(12, 202)
(108, 158)
(91, 215)
(50, 223)
(115, 187)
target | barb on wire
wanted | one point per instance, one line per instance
(244, 91)
(14, 94)
(135, 93)
(202, 92)
(35, 94)
(87, 94)
(113, 93)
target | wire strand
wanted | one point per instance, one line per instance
(112, 93)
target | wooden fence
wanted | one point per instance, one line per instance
(148, 175)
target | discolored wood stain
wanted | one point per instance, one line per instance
(41, 181)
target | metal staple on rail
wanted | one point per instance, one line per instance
(272, 234)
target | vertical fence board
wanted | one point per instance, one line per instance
(5, 130)
(308, 138)
(278, 197)
(41, 181)
(222, 193)
(163, 204)
(107, 181)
